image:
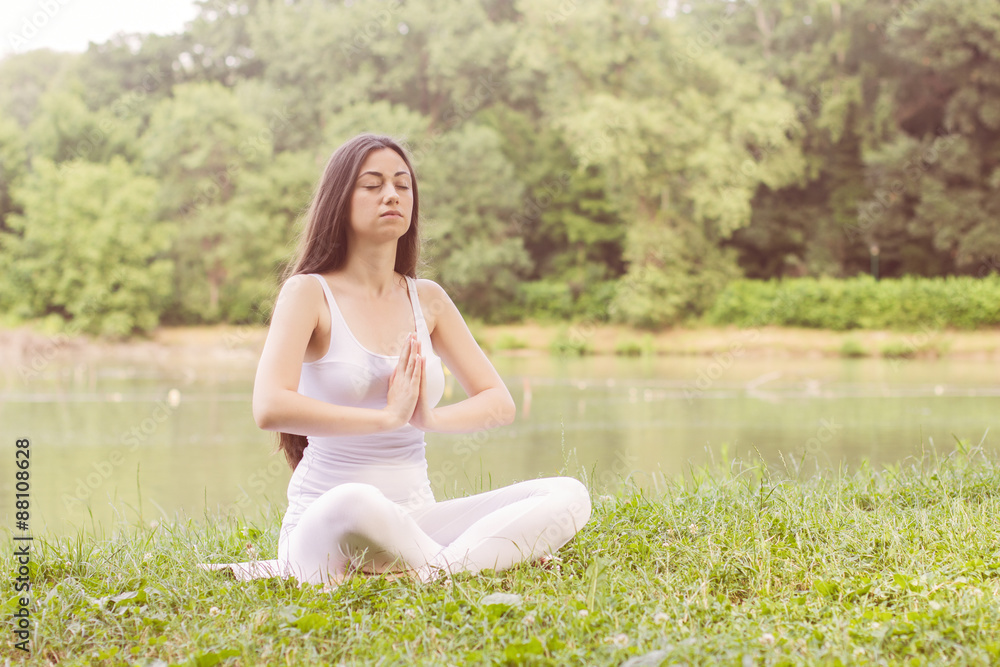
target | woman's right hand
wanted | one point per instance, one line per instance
(404, 384)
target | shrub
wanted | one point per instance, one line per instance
(635, 348)
(907, 303)
(508, 341)
(852, 349)
(898, 350)
(565, 344)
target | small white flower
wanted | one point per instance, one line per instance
(147, 556)
(767, 638)
(583, 613)
(618, 640)
(605, 498)
(214, 611)
(934, 605)
(410, 613)
(528, 619)
(660, 617)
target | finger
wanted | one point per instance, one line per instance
(415, 378)
(404, 354)
(423, 375)
(411, 362)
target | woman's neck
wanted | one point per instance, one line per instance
(373, 272)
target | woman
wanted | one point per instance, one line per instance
(351, 374)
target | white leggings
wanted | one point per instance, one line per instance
(355, 526)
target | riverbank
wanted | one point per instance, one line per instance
(27, 346)
(733, 565)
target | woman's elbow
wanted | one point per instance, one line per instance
(264, 414)
(508, 410)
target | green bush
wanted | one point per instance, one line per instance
(508, 341)
(908, 303)
(554, 300)
(567, 344)
(635, 348)
(852, 349)
(898, 350)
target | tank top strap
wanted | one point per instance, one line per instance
(331, 304)
(418, 313)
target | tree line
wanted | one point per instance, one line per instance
(618, 160)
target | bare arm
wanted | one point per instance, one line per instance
(489, 403)
(277, 405)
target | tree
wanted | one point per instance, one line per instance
(471, 246)
(200, 144)
(13, 165)
(831, 59)
(65, 129)
(261, 225)
(25, 77)
(683, 143)
(938, 175)
(88, 253)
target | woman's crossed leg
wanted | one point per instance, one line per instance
(355, 526)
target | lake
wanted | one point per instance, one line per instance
(114, 441)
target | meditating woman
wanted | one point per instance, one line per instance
(350, 376)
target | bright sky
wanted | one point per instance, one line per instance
(69, 25)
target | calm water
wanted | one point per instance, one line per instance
(115, 442)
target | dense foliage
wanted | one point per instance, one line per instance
(608, 160)
(962, 302)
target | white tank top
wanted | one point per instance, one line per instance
(350, 374)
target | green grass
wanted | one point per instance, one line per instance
(734, 565)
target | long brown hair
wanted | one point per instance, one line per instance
(322, 244)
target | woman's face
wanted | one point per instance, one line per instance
(383, 186)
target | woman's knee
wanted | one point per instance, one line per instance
(572, 508)
(344, 505)
(577, 499)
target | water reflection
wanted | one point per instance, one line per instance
(118, 441)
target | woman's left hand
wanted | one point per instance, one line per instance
(423, 414)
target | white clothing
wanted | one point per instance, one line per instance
(349, 374)
(365, 502)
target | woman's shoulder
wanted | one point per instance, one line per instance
(300, 281)
(434, 300)
(302, 288)
(430, 292)
(428, 286)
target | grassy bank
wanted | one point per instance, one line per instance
(545, 338)
(736, 565)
